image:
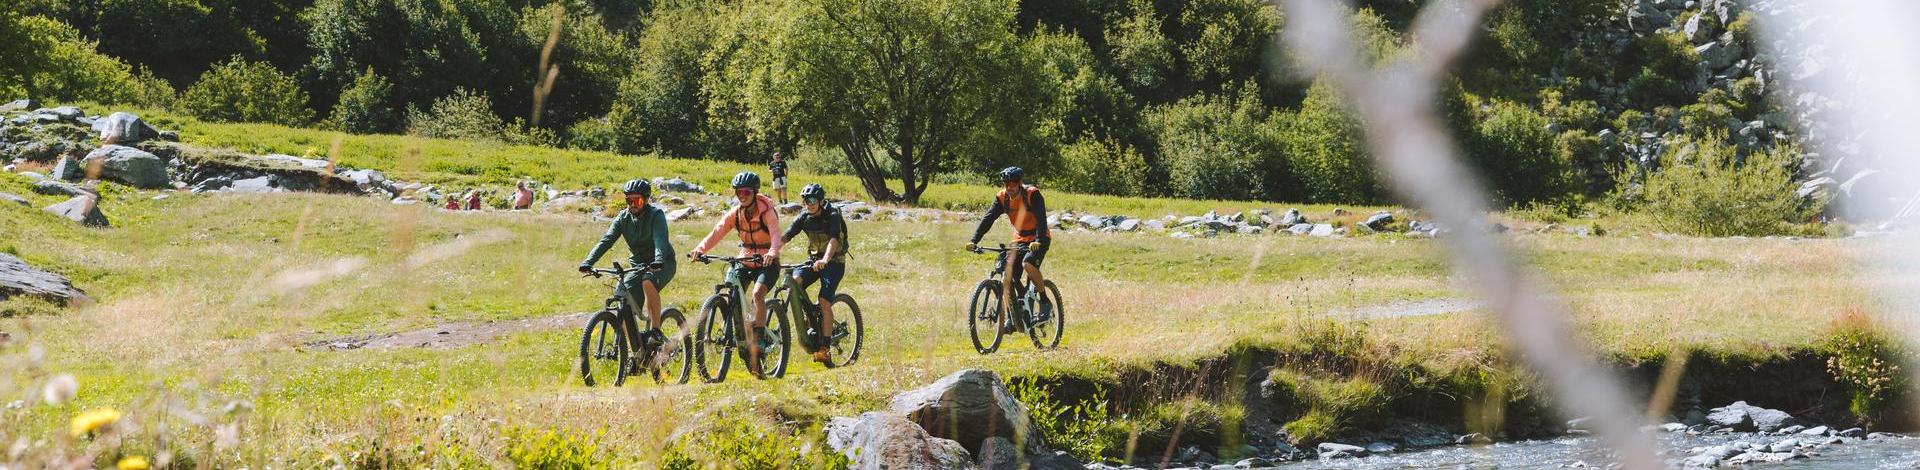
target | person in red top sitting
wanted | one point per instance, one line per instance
(473, 200)
(453, 203)
(759, 227)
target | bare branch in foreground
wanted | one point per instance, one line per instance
(1408, 141)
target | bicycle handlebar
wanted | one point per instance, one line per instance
(619, 270)
(1002, 249)
(704, 258)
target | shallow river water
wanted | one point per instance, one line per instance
(1572, 452)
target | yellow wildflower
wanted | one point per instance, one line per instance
(91, 421)
(133, 462)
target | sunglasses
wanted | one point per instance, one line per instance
(814, 200)
(744, 191)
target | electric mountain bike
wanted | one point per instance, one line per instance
(844, 347)
(1037, 311)
(722, 329)
(613, 334)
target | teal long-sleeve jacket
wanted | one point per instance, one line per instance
(646, 236)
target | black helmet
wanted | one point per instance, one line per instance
(813, 191)
(638, 186)
(1013, 173)
(746, 179)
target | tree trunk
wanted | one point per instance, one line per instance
(860, 155)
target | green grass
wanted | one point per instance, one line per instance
(205, 300)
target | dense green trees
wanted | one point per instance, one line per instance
(1178, 98)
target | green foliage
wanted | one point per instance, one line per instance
(1225, 38)
(1139, 54)
(43, 58)
(1665, 59)
(1220, 148)
(741, 443)
(1870, 362)
(1584, 152)
(426, 48)
(461, 115)
(241, 91)
(1095, 166)
(591, 59)
(659, 106)
(366, 107)
(1324, 149)
(553, 450)
(1513, 150)
(177, 39)
(1707, 188)
(1086, 429)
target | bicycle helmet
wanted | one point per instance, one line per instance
(1012, 173)
(813, 191)
(746, 179)
(638, 186)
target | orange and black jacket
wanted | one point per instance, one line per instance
(1025, 208)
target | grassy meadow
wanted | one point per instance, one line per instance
(205, 303)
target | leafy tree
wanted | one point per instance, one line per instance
(914, 81)
(426, 47)
(1513, 150)
(242, 91)
(660, 105)
(178, 39)
(1324, 149)
(1225, 38)
(591, 61)
(1140, 55)
(366, 107)
(43, 58)
(1097, 166)
(1221, 147)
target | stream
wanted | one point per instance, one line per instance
(1585, 452)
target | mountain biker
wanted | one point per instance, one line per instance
(645, 229)
(778, 169)
(827, 247)
(756, 221)
(1026, 210)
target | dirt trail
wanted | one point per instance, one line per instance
(449, 335)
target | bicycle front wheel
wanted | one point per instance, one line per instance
(713, 339)
(603, 350)
(983, 316)
(673, 362)
(1046, 323)
(851, 331)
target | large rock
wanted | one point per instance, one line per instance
(124, 128)
(14, 198)
(969, 406)
(889, 441)
(132, 166)
(1717, 55)
(998, 453)
(68, 169)
(19, 278)
(1740, 416)
(82, 209)
(1291, 218)
(19, 105)
(1331, 450)
(1378, 221)
(56, 188)
(59, 114)
(675, 184)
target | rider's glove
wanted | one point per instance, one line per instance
(586, 269)
(1036, 245)
(973, 246)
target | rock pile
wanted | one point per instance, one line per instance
(965, 420)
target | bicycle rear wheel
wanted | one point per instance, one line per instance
(983, 315)
(713, 341)
(1046, 325)
(847, 322)
(603, 350)
(674, 362)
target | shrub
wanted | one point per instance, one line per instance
(1102, 167)
(1085, 429)
(1706, 188)
(464, 114)
(48, 59)
(1324, 151)
(366, 107)
(1219, 148)
(553, 450)
(1513, 150)
(593, 134)
(1869, 362)
(1140, 55)
(242, 91)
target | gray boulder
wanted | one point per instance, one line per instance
(63, 113)
(998, 453)
(308, 163)
(969, 406)
(56, 188)
(124, 128)
(1291, 218)
(1742, 417)
(132, 166)
(682, 213)
(1092, 221)
(676, 184)
(888, 441)
(16, 199)
(1330, 450)
(1819, 431)
(19, 105)
(17, 278)
(790, 208)
(1717, 55)
(1378, 221)
(261, 184)
(1321, 230)
(1300, 229)
(82, 209)
(68, 169)
(1128, 225)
